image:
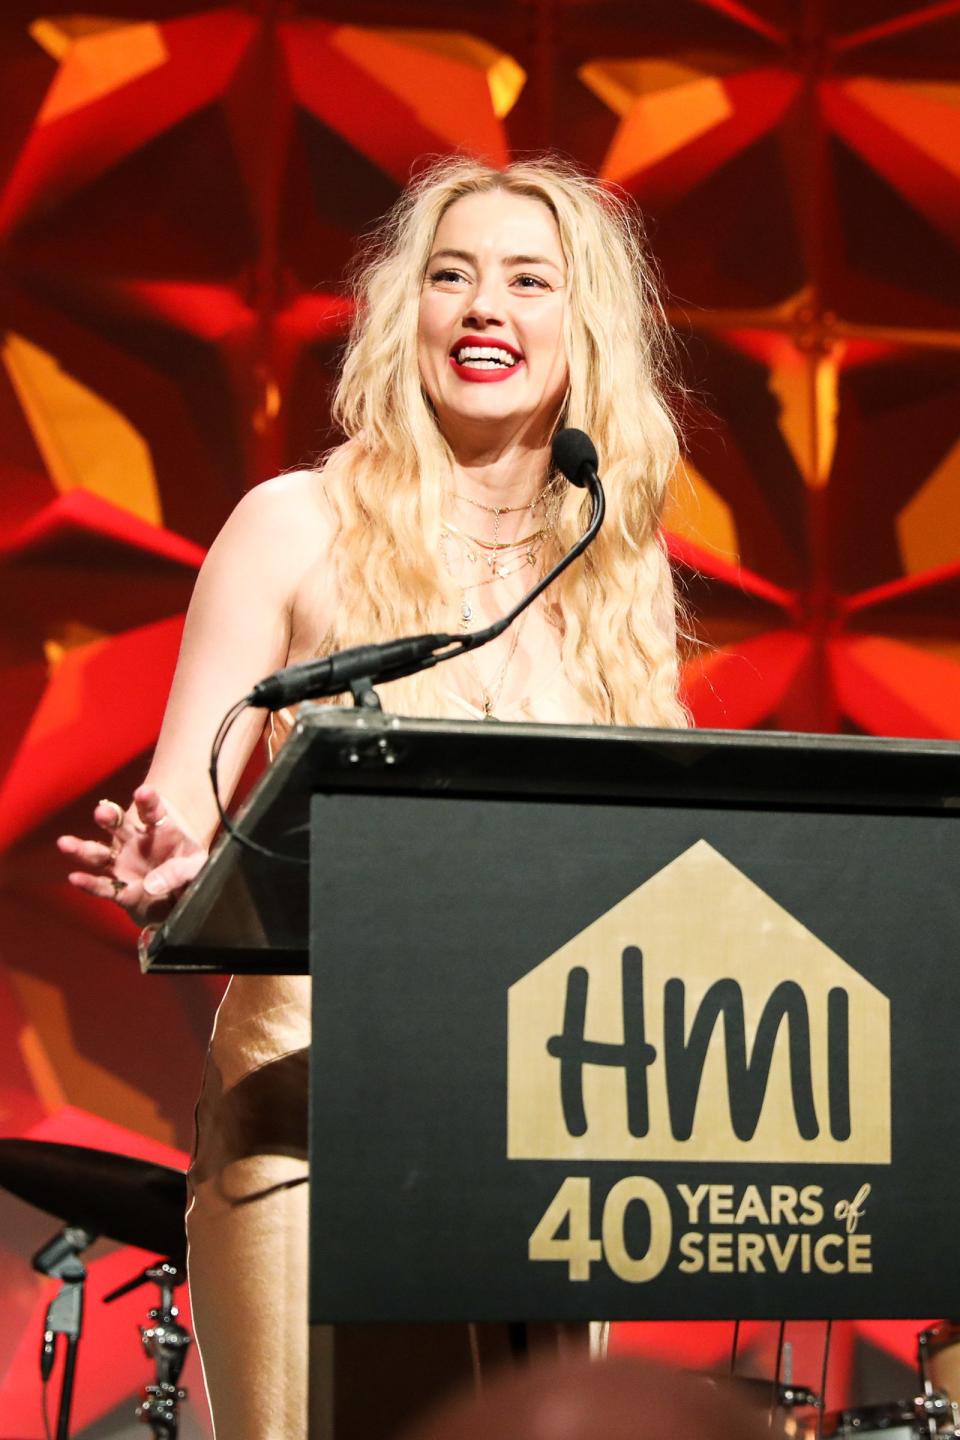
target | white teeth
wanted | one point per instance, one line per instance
(484, 357)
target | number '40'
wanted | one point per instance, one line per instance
(570, 1208)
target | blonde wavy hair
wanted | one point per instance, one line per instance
(616, 605)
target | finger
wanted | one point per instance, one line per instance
(109, 815)
(150, 807)
(103, 886)
(174, 874)
(87, 852)
(152, 810)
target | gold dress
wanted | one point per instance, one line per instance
(247, 1228)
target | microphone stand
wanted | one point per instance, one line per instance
(60, 1258)
(166, 1342)
(359, 669)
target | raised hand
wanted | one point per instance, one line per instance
(150, 859)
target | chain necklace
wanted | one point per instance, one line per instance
(493, 547)
(498, 510)
(501, 563)
(502, 557)
(549, 491)
(490, 694)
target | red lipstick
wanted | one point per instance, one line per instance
(468, 370)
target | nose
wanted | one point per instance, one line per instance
(484, 309)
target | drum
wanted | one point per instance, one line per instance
(938, 1358)
(928, 1416)
(896, 1420)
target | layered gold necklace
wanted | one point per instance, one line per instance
(502, 558)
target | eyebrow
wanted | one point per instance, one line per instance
(471, 259)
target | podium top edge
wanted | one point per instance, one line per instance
(354, 751)
(326, 717)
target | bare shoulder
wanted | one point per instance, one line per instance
(279, 529)
(293, 506)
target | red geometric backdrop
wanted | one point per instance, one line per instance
(180, 189)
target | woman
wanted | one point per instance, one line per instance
(493, 307)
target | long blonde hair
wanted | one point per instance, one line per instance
(386, 483)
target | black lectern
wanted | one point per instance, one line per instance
(609, 1022)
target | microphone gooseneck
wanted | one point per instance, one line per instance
(574, 455)
(361, 667)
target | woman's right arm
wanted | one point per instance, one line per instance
(237, 630)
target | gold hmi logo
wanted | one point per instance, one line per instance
(698, 1020)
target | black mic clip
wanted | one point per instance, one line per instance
(60, 1256)
(60, 1259)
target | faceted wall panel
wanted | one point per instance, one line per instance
(181, 188)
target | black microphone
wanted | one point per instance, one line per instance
(574, 455)
(333, 675)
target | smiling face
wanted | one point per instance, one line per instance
(490, 334)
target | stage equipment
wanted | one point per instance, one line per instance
(166, 1342)
(938, 1360)
(60, 1259)
(124, 1199)
(921, 1419)
(131, 1201)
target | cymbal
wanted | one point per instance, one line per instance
(129, 1200)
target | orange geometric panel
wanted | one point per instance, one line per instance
(181, 191)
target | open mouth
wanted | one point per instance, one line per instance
(492, 359)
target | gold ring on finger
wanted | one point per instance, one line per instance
(118, 886)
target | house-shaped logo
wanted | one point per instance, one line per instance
(698, 1020)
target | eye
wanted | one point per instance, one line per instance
(447, 277)
(530, 282)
